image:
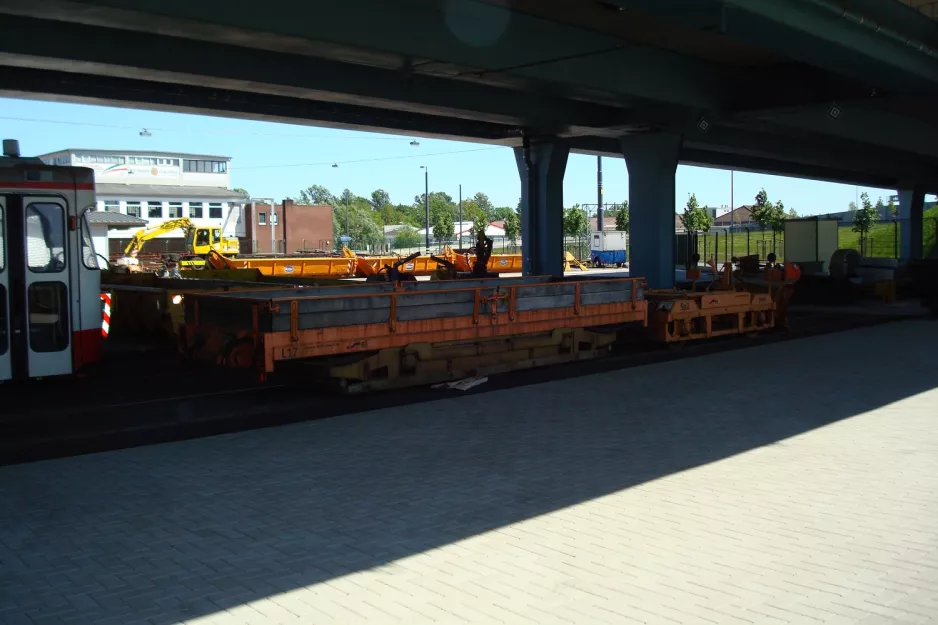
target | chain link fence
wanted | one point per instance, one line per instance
(883, 240)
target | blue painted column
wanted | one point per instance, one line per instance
(541, 165)
(911, 205)
(652, 162)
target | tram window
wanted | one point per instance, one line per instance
(48, 316)
(3, 239)
(89, 256)
(45, 237)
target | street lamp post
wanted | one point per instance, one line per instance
(426, 203)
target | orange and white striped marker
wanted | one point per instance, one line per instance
(106, 316)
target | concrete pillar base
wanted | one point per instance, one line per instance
(652, 162)
(542, 168)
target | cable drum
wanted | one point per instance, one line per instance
(844, 263)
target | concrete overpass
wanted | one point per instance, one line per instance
(838, 90)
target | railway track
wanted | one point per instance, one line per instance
(107, 411)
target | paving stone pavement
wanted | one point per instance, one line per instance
(786, 483)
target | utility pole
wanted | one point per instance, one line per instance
(732, 217)
(426, 203)
(460, 217)
(599, 197)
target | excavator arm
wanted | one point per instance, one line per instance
(145, 234)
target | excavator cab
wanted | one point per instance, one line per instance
(199, 242)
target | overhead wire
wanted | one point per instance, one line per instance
(372, 160)
(201, 131)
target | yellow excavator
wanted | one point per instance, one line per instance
(199, 241)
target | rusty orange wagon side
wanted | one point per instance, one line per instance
(266, 329)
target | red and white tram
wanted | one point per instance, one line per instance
(50, 283)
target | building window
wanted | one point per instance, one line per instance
(274, 219)
(100, 159)
(175, 210)
(195, 210)
(214, 211)
(152, 160)
(205, 167)
(154, 210)
(262, 219)
(133, 209)
(112, 206)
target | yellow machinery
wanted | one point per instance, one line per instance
(199, 240)
(570, 261)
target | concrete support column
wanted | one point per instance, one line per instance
(541, 165)
(652, 162)
(911, 207)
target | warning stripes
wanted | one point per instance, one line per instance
(106, 316)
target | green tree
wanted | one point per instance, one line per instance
(695, 217)
(880, 205)
(243, 192)
(779, 215)
(316, 195)
(479, 223)
(407, 237)
(852, 207)
(865, 217)
(347, 198)
(622, 217)
(792, 213)
(470, 210)
(512, 226)
(502, 212)
(893, 209)
(379, 199)
(576, 222)
(767, 214)
(441, 222)
(362, 226)
(483, 202)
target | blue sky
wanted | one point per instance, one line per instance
(271, 159)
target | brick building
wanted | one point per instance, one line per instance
(286, 228)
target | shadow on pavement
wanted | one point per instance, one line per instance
(177, 531)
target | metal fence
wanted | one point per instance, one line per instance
(881, 241)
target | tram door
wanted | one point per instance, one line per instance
(35, 285)
(6, 371)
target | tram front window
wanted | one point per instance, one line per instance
(45, 238)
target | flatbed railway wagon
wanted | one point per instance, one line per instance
(382, 334)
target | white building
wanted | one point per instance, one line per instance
(156, 187)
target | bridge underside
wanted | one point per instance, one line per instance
(841, 91)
